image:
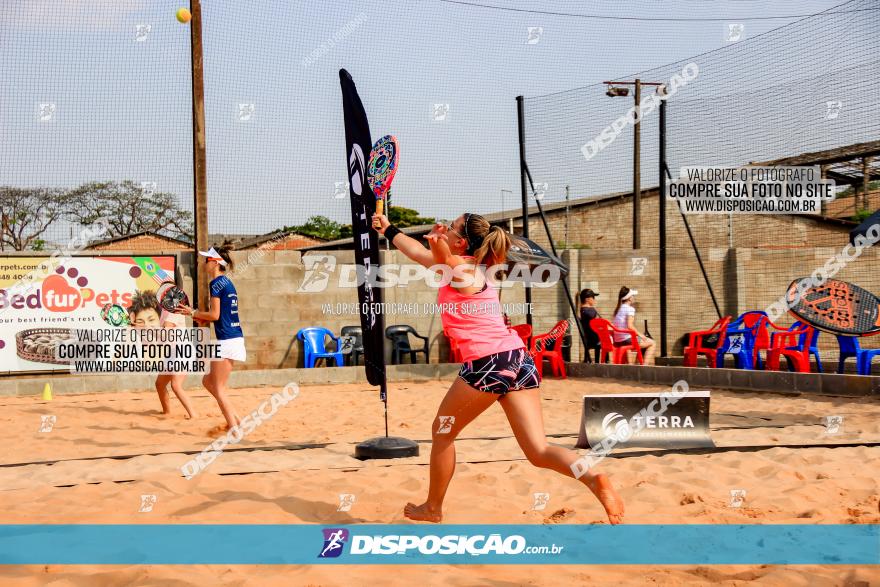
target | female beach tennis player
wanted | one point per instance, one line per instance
(173, 320)
(496, 363)
(145, 312)
(227, 328)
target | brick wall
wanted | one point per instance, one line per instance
(273, 308)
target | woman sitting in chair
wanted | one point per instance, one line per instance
(624, 317)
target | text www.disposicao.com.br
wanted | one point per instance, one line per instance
(196, 366)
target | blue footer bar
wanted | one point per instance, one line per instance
(444, 544)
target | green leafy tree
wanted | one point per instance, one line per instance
(862, 215)
(129, 208)
(324, 228)
(318, 227)
(27, 213)
(402, 217)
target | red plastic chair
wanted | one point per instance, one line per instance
(524, 331)
(763, 338)
(790, 344)
(619, 354)
(540, 350)
(696, 345)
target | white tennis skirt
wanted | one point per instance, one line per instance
(233, 348)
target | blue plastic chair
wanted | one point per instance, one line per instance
(740, 340)
(814, 344)
(849, 347)
(313, 339)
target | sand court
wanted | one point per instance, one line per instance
(105, 451)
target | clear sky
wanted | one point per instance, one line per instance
(122, 107)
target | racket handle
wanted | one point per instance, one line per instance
(380, 206)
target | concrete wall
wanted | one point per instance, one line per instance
(273, 308)
(273, 305)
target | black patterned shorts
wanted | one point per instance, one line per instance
(502, 372)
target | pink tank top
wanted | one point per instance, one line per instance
(476, 323)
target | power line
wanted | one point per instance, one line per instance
(653, 18)
(719, 50)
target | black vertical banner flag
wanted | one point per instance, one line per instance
(366, 240)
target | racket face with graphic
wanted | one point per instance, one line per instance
(836, 306)
(115, 315)
(171, 297)
(381, 169)
(162, 289)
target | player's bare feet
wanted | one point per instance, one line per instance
(601, 487)
(422, 513)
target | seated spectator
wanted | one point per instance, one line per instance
(624, 317)
(587, 313)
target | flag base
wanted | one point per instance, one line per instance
(386, 447)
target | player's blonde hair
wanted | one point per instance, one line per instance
(488, 244)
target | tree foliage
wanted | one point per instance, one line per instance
(129, 208)
(402, 217)
(318, 227)
(27, 213)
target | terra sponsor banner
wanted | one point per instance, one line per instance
(645, 420)
(42, 298)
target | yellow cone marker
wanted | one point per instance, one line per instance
(47, 392)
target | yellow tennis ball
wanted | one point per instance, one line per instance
(184, 15)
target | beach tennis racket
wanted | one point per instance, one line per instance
(115, 315)
(381, 169)
(170, 296)
(837, 307)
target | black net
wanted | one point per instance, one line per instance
(804, 88)
(96, 114)
(95, 107)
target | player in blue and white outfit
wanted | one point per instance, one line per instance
(227, 328)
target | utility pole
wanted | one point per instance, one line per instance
(520, 119)
(567, 220)
(662, 205)
(637, 171)
(615, 91)
(200, 170)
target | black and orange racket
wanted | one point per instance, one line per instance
(170, 296)
(837, 307)
(381, 169)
